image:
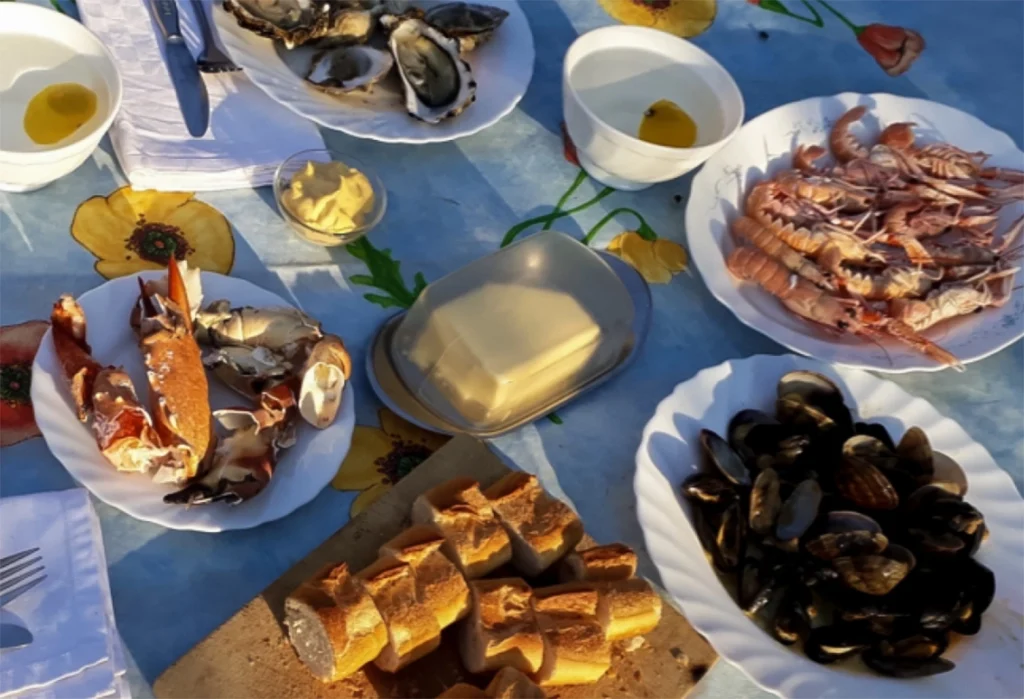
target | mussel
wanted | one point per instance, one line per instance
(846, 533)
(765, 501)
(708, 489)
(724, 458)
(875, 574)
(752, 433)
(907, 668)
(862, 483)
(722, 534)
(876, 430)
(948, 475)
(820, 392)
(827, 644)
(799, 511)
(916, 456)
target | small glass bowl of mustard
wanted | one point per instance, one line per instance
(328, 201)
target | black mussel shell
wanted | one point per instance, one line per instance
(948, 475)
(799, 511)
(864, 485)
(920, 503)
(818, 391)
(705, 524)
(866, 448)
(708, 489)
(906, 668)
(752, 579)
(974, 541)
(875, 574)
(981, 584)
(934, 543)
(724, 458)
(753, 432)
(912, 645)
(968, 622)
(765, 501)
(874, 429)
(827, 644)
(791, 620)
(731, 537)
(796, 412)
(846, 533)
(956, 515)
(916, 456)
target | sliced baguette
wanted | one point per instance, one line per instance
(501, 630)
(474, 539)
(439, 583)
(412, 629)
(334, 625)
(627, 608)
(542, 528)
(509, 683)
(609, 562)
(576, 650)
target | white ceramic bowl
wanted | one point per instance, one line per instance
(611, 75)
(40, 47)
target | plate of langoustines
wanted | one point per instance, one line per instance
(832, 535)
(464, 565)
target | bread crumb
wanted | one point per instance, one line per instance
(635, 643)
(680, 656)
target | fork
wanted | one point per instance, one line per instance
(10, 566)
(211, 58)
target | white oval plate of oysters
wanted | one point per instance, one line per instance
(987, 664)
(384, 69)
(986, 314)
(302, 470)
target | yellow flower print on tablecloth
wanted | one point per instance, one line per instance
(679, 17)
(657, 260)
(130, 231)
(381, 456)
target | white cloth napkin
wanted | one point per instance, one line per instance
(249, 135)
(76, 652)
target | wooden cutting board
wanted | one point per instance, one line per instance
(250, 656)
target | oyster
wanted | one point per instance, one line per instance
(471, 24)
(438, 83)
(296, 22)
(347, 68)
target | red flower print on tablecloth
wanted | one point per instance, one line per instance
(895, 48)
(18, 345)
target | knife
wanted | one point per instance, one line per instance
(188, 84)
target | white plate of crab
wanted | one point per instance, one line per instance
(987, 664)
(485, 64)
(984, 311)
(299, 471)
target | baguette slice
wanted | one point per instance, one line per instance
(501, 630)
(628, 608)
(509, 683)
(334, 625)
(542, 528)
(474, 539)
(575, 648)
(463, 691)
(609, 562)
(412, 629)
(439, 583)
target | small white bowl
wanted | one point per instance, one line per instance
(40, 47)
(611, 75)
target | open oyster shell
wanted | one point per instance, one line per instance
(470, 23)
(438, 84)
(348, 68)
(296, 22)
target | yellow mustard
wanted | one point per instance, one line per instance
(330, 197)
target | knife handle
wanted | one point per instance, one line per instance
(166, 13)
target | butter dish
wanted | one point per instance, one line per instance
(510, 337)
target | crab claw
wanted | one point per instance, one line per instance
(67, 321)
(324, 374)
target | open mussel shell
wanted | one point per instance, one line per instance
(791, 622)
(799, 510)
(765, 501)
(795, 411)
(724, 458)
(875, 574)
(752, 433)
(818, 391)
(722, 534)
(827, 644)
(846, 533)
(709, 489)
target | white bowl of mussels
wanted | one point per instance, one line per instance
(832, 535)
(382, 69)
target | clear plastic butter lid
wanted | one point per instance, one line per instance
(496, 341)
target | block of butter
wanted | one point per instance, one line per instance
(489, 348)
